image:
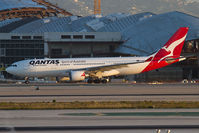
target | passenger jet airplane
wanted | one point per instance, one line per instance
(99, 69)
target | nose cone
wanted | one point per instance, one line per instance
(11, 70)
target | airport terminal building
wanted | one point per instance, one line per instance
(100, 36)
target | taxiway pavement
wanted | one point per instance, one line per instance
(123, 120)
(98, 92)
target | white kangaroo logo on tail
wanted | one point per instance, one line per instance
(171, 47)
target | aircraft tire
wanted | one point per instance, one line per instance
(27, 82)
(104, 81)
(97, 81)
(90, 81)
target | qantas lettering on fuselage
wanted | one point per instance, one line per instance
(43, 62)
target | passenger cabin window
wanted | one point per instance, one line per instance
(78, 37)
(13, 65)
(65, 37)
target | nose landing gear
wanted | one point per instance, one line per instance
(27, 80)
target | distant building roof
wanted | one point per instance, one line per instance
(10, 4)
(8, 21)
(125, 22)
(142, 33)
(150, 34)
(81, 24)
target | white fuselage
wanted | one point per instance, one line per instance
(79, 68)
(61, 67)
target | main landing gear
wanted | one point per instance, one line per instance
(97, 81)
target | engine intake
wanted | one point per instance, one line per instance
(77, 75)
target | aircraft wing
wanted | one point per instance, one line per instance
(121, 65)
(94, 70)
(110, 67)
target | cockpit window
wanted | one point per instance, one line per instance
(13, 65)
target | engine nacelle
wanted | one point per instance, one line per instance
(77, 75)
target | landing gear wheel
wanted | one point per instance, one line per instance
(97, 81)
(90, 81)
(26, 80)
(57, 80)
(104, 81)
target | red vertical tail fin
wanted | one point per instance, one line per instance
(171, 50)
(174, 46)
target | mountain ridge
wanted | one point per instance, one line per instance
(85, 7)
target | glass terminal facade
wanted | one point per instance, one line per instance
(21, 47)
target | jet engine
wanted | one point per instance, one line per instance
(77, 75)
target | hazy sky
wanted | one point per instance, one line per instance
(85, 7)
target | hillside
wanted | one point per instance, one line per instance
(85, 7)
